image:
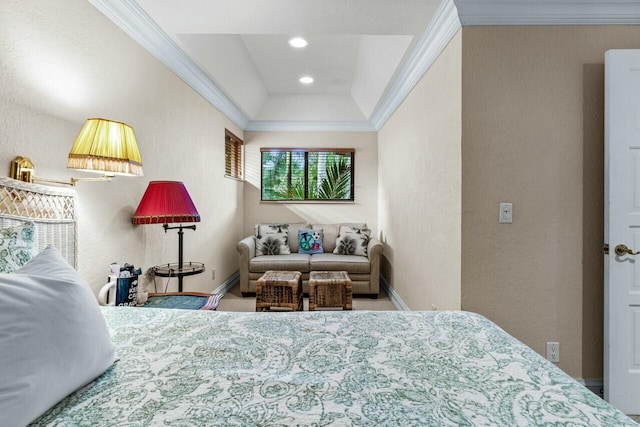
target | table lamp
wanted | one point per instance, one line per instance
(166, 202)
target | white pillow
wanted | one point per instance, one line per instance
(53, 337)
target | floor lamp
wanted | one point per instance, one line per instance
(167, 202)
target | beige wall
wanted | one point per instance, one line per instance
(419, 188)
(532, 117)
(62, 62)
(363, 209)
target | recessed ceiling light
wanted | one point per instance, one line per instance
(306, 80)
(298, 42)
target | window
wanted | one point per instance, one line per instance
(232, 155)
(307, 174)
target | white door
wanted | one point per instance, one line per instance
(622, 227)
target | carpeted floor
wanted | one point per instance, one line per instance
(234, 301)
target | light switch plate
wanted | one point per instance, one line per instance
(506, 213)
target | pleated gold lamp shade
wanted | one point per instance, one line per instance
(106, 146)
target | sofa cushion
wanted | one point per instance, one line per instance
(291, 229)
(330, 234)
(291, 262)
(350, 263)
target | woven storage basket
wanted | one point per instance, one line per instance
(329, 289)
(279, 289)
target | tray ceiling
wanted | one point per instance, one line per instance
(365, 55)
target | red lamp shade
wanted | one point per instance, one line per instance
(164, 202)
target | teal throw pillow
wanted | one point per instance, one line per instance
(309, 241)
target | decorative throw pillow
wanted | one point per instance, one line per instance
(348, 228)
(270, 228)
(16, 246)
(309, 241)
(352, 241)
(272, 239)
(53, 337)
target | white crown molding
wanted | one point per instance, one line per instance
(308, 126)
(547, 12)
(134, 21)
(442, 28)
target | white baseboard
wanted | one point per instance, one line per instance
(228, 284)
(393, 295)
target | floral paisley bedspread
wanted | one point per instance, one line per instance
(202, 368)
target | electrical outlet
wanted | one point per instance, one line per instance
(213, 274)
(553, 352)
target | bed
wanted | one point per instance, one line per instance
(201, 368)
(325, 368)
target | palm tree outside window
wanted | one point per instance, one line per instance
(296, 174)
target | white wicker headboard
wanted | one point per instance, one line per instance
(52, 209)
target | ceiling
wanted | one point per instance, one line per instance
(355, 48)
(365, 55)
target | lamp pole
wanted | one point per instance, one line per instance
(180, 257)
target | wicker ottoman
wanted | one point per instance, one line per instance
(279, 289)
(329, 289)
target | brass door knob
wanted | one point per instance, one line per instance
(624, 250)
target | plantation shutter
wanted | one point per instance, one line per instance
(233, 155)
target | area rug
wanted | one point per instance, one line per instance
(184, 300)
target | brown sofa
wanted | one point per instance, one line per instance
(364, 271)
